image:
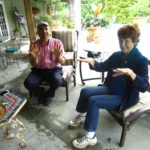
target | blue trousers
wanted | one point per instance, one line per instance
(33, 81)
(91, 100)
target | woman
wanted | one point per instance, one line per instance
(127, 76)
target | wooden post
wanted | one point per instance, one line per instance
(28, 11)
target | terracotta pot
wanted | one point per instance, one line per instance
(94, 34)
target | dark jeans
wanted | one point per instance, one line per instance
(33, 81)
(91, 100)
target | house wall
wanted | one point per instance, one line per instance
(11, 19)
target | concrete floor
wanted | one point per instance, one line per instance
(47, 127)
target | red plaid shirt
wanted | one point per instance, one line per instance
(46, 59)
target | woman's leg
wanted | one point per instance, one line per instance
(97, 102)
(86, 93)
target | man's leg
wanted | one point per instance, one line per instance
(32, 83)
(55, 80)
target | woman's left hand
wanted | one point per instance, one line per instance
(124, 71)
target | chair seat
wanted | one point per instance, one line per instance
(133, 112)
(12, 49)
(142, 105)
(69, 56)
(67, 72)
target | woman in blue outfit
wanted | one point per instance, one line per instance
(127, 76)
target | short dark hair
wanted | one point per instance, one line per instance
(130, 31)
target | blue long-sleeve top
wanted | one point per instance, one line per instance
(135, 61)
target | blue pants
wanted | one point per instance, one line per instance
(33, 81)
(91, 100)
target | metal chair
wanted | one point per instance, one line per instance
(12, 47)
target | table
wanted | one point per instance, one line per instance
(12, 103)
(94, 55)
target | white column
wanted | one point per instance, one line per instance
(75, 13)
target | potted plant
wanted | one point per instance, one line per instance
(140, 11)
(16, 31)
(35, 6)
(94, 22)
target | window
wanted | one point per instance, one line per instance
(3, 27)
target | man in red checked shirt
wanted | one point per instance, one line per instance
(46, 57)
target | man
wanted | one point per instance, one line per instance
(46, 57)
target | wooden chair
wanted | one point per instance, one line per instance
(132, 115)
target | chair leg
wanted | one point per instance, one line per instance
(30, 94)
(123, 135)
(74, 80)
(67, 93)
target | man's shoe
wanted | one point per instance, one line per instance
(77, 122)
(47, 101)
(84, 141)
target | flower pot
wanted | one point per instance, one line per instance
(94, 34)
(140, 20)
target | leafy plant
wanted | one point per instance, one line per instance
(16, 29)
(94, 19)
(45, 17)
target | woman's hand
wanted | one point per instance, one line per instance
(124, 71)
(89, 61)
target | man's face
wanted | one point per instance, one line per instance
(44, 31)
(126, 45)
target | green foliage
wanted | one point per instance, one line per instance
(45, 17)
(88, 17)
(59, 11)
(16, 29)
(93, 21)
(124, 10)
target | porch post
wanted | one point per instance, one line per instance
(28, 11)
(75, 13)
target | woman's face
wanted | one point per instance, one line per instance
(126, 45)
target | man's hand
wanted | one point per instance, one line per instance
(89, 61)
(124, 71)
(34, 51)
(57, 53)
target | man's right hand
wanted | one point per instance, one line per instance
(34, 51)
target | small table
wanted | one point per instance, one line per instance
(12, 103)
